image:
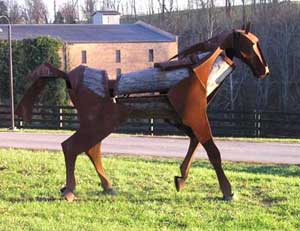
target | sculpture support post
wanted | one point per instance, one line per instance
(11, 81)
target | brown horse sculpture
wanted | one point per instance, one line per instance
(189, 84)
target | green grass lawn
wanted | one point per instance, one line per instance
(267, 195)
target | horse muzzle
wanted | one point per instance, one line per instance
(267, 72)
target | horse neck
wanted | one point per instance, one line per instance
(207, 46)
(219, 40)
(230, 44)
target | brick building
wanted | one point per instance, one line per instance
(117, 48)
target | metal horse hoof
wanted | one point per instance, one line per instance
(111, 192)
(228, 198)
(179, 183)
(67, 194)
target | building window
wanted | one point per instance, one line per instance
(83, 57)
(151, 55)
(118, 56)
(118, 72)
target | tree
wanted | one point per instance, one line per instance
(35, 12)
(15, 13)
(3, 11)
(28, 54)
(150, 7)
(58, 19)
(162, 6)
(69, 13)
(88, 8)
(133, 8)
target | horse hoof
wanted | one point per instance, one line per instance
(228, 198)
(67, 194)
(110, 191)
(179, 183)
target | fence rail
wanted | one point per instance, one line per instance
(223, 123)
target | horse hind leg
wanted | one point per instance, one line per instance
(94, 154)
(215, 159)
(186, 164)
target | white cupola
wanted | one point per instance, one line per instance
(106, 17)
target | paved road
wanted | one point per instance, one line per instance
(163, 147)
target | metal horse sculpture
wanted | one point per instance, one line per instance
(101, 109)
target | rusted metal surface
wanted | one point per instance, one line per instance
(184, 104)
(157, 107)
(39, 77)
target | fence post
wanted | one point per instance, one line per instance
(259, 125)
(255, 124)
(151, 128)
(60, 118)
(20, 123)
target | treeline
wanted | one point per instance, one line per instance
(28, 54)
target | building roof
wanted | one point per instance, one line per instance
(89, 33)
(106, 12)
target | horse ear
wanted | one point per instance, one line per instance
(247, 28)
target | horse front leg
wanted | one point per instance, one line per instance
(94, 154)
(68, 189)
(215, 159)
(71, 148)
(186, 164)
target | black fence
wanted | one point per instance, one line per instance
(223, 123)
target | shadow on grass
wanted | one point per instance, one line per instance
(35, 199)
(134, 197)
(153, 196)
(255, 168)
(279, 170)
(268, 202)
(2, 168)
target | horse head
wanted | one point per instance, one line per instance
(245, 46)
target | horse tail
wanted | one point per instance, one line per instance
(39, 76)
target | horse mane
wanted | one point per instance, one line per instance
(208, 45)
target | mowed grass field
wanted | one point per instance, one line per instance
(267, 196)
